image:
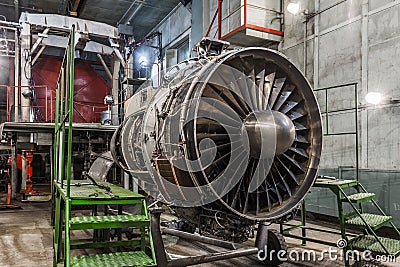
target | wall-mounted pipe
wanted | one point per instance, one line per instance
(16, 7)
(219, 18)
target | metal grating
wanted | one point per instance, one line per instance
(368, 242)
(360, 197)
(133, 258)
(373, 220)
(108, 221)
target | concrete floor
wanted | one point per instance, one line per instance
(26, 240)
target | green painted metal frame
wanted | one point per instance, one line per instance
(341, 196)
(303, 226)
(356, 110)
(67, 193)
(62, 171)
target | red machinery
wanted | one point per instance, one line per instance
(90, 89)
(29, 159)
(8, 205)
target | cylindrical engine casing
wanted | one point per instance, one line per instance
(240, 132)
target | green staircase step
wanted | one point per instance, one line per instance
(369, 242)
(132, 258)
(373, 220)
(108, 221)
(359, 197)
(329, 183)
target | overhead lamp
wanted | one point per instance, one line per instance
(108, 100)
(27, 93)
(293, 8)
(143, 61)
(373, 98)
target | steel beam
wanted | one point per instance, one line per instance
(115, 47)
(38, 54)
(193, 260)
(40, 38)
(16, 76)
(107, 70)
(64, 23)
(115, 89)
(14, 171)
(61, 42)
(26, 70)
(24, 174)
(131, 12)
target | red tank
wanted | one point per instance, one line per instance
(90, 89)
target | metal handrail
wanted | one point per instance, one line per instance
(356, 109)
(364, 221)
(62, 141)
(379, 209)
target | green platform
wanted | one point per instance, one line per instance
(85, 190)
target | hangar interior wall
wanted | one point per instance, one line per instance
(354, 41)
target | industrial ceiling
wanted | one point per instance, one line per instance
(142, 15)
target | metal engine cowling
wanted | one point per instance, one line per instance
(238, 133)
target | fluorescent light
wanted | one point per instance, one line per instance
(293, 8)
(374, 98)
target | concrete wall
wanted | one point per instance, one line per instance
(175, 28)
(354, 41)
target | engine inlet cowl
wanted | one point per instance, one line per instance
(240, 132)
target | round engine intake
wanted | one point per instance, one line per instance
(240, 133)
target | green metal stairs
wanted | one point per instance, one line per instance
(358, 219)
(86, 193)
(353, 194)
(69, 195)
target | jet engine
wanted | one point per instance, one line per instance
(227, 140)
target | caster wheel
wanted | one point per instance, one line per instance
(271, 240)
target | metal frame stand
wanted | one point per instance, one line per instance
(234, 250)
(68, 194)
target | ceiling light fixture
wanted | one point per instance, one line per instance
(293, 8)
(143, 61)
(373, 98)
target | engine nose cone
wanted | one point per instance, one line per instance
(266, 129)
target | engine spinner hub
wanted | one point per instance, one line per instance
(268, 127)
